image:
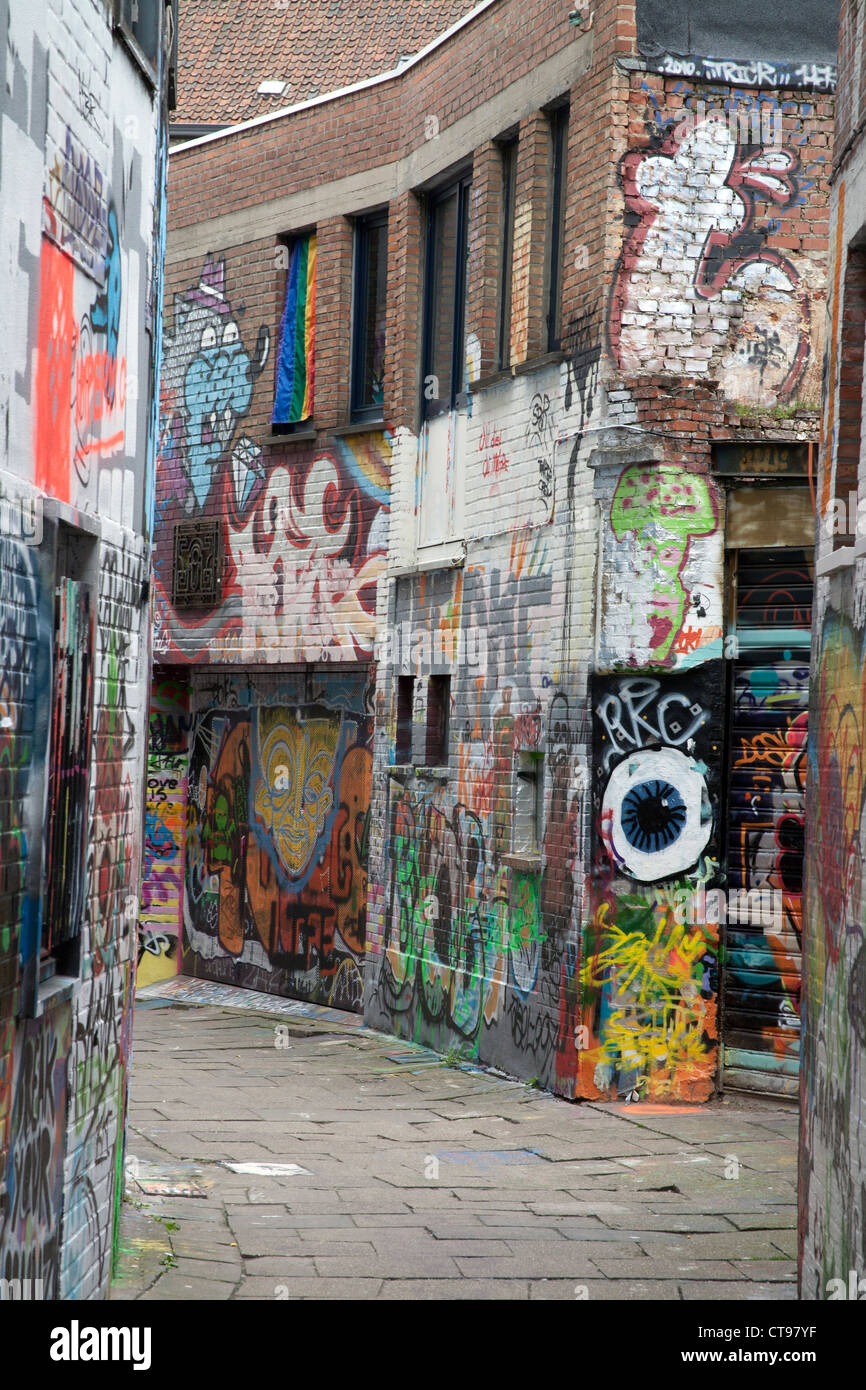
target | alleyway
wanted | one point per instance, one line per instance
(423, 1179)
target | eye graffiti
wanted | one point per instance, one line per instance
(656, 814)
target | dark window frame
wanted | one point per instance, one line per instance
(461, 184)
(358, 412)
(438, 731)
(285, 242)
(508, 155)
(559, 122)
(403, 740)
(126, 20)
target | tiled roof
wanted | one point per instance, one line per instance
(227, 48)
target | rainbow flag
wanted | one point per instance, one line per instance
(296, 359)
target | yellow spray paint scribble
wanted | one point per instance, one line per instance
(658, 1016)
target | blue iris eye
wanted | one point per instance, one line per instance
(653, 815)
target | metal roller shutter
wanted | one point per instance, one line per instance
(761, 968)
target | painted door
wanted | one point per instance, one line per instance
(278, 807)
(769, 692)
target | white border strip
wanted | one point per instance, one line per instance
(341, 91)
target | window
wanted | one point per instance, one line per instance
(368, 326)
(139, 23)
(526, 827)
(445, 298)
(559, 150)
(69, 754)
(509, 170)
(405, 702)
(438, 709)
(296, 353)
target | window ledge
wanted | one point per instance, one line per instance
(528, 863)
(56, 990)
(359, 427)
(836, 560)
(425, 564)
(534, 364)
(433, 774)
(293, 436)
(492, 379)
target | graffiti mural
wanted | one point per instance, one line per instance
(648, 976)
(478, 944)
(303, 543)
(18, 679)
(276, 862)
(698, 195)
(88, 405)
(665, 536)
(169, 729)
(30, 1206)
(766, 817)
(832, 1155)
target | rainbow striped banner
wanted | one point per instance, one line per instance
(296, 360)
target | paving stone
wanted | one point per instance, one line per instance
(772, 1270)
(623, 1202)
(748, 1292)
(188, 1288)
(591, 1290)
(287, 1289)
(412, 1290)
(532, 1259)
(764, 1220)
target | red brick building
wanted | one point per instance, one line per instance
(484, 543)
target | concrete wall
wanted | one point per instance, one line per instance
(79, 172)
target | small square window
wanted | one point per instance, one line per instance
(438, 712)
(405, 703)
(369, 317)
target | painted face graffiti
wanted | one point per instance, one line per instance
(663, 507)
(296, 794)
(276, 863)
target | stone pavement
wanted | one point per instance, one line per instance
(426, 1180)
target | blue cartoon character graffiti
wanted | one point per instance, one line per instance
(209, 378)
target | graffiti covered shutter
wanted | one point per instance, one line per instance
(769, 703)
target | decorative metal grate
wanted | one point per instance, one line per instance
(197, 554)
